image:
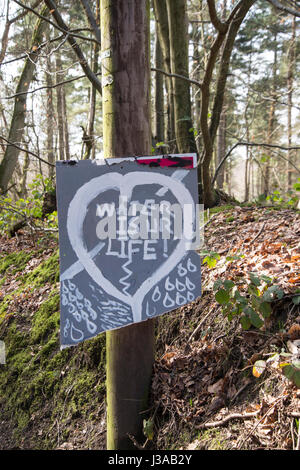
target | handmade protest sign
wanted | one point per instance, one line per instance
(128, 230)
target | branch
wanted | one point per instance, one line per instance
(254, 144)
(175, 75)
(43, 44)
(225, 420)
(233, 29)
(82, 60)
(91, 19)
(64, 29)
(25, 150)
(46, 87)
(219, 26)
(8, 24)
(286, 9)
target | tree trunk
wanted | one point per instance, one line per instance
(290, 84)
(93, 95)
(16, 131)
(65, 124)
(161, 18)
(197, 76)
(126, 131)
(221, 145)
(271, 122)
(50, 113)
(178, 32)
(209, 131)
(59, 107)
(159, 124)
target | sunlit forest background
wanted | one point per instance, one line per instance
(258, 128)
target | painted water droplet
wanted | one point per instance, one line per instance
(168, 301)
(64, 288)
(169, 285)
(71, 308)
(77, 316)
(79, 305)
(190, 297)
(180, 286)
(72, 298)
(180, 299)
(191, 267)
(87, 303)
(76, 334)
(66, 328)
(156, 294)
(181, 270)
(89, 324)
(189, 284)
(78, 294)
(71, 285)
(148, 313)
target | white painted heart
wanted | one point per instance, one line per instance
(125, 185)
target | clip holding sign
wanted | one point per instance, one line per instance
(107, 80)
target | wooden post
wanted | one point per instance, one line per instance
(126, 132)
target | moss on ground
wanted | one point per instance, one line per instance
(46, 272)
(15, 262)
(39, 381)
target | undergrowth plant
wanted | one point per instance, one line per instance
(250, 300)
(29, 209)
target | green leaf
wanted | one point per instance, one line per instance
(296, 186)
(252, 289)
(148, 428)
(217, 284)
(255, 319)
(296, 378)
(265, 309)
(228, 284)
(266, 279)
(222, 296)
(240, 298)
(272, 292)
(245, 322)
(288, 371)
(254, 279)
(211, 259)
(296, 300)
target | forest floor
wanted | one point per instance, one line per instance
(208, 392)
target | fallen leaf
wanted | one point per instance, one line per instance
(258, 368)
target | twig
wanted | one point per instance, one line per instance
(133, 439)
(45, 87)
(199, 326)
(298, 440)
(292, 433)
(252, 144)
(25, 150)
(225, 420)
(61, 28)
(284, 8)
(176, 75)
(256, 236)
(262, 418)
